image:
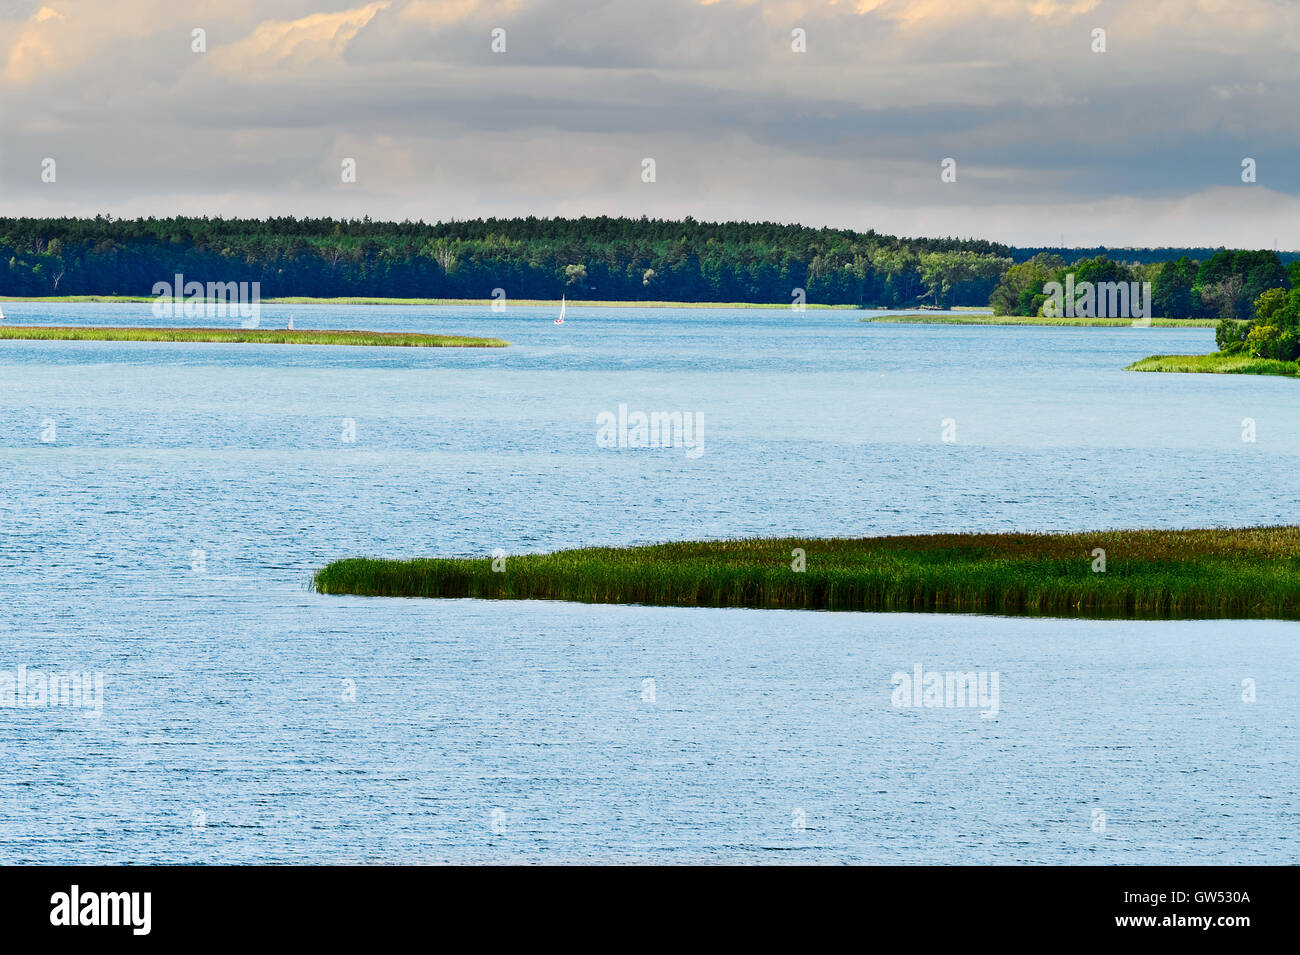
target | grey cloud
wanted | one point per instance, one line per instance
(850, 133)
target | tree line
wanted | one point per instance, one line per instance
(600, 258)
(1225, 285)
(1130, 254)
(583, 258)
(1274, 328)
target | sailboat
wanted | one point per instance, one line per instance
(291, 322)
(560, 320)
(2, 314)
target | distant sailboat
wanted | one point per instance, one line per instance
(290, 322)
(560, 320)
(2, 314)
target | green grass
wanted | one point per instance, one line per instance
(1217, 363)
(934, 318)
(483, 302)
(1250, 572)
(81, 298)
(264, 336)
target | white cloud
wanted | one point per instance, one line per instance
(290, 46)
(1137, 144)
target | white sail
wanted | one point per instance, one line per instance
(560, 320)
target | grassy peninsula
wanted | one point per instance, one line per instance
(1149, 574)
(1268, 344)
(263, 336)
(538, 302)
(986, 318)
(1217, 363)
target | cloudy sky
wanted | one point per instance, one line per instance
(1140, 145)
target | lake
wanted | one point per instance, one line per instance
(165, 505)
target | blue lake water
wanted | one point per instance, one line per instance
(164, 506)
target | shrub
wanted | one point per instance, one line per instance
(1288, 345)
(1262, 341)
(1229, 334)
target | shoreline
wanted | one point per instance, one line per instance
(922, 318)
(264, 336)
(1233, 573)
(1216, 363)
(364, 300)
(969, 314)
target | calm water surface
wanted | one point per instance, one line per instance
(164, 506)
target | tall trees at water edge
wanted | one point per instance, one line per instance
(599, 258)
(587, 258)
(1274, 332)
(1226, 284)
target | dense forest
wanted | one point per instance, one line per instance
(586, 258)
(1274, 330)
(605, 258)
(1128, 254)
(1226, 284)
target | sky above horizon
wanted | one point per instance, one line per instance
(1140, 145)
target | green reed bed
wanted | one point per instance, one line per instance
(929, 318)
(531, 302)
(1217, 363)
(81, 298)
(264, 336)
(373, 300)
(1251, 572)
